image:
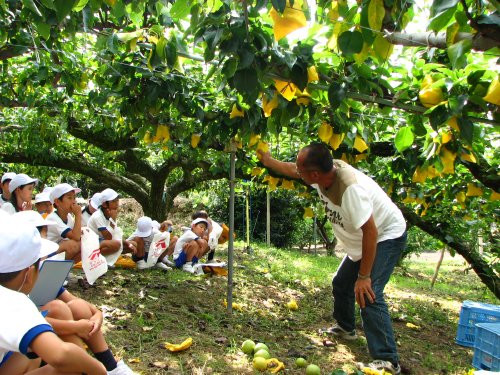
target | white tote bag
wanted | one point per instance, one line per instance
(93, 263)
(160, 243)
(117, 234)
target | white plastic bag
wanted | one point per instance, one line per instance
(117, 235)
(160, 243)
(93, 263)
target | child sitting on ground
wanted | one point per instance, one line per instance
(67, 220)
(23, 330)
(213, 233)
(90, 208)
(191, 246)
(143, 237)
(103, 222)
(21, 192)
(42, 202)
(6, 178)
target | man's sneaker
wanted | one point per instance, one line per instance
(122, 369)
(338, 331)
(380, 365)
(162, 266)
(188, 267)
(141, 264)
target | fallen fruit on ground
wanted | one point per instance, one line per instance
(300, 362)
(262, 353)
(248, 346)
(259, 346)
(259, 363)
(313, 370)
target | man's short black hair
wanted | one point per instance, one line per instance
(318, 157)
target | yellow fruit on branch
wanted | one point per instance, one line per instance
(360, 144)
(236, 111)
(308, 212)
(473, 190)
(269, 105)
(325, 132)
(336, 139)
(293, 18)
(195, 139)
(286, 89)
(430, 96)
(493, 94)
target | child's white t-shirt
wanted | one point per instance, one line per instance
(85, 216)
(59, 230)
(9, 208)
(186, 237)
(2, 200)
(98, 222)
(20, 322)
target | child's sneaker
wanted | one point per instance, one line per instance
(167, 261)
(338, 331)
(188, 267)
(122, 369)
(141, 264)
(380, 365)
(162, 266)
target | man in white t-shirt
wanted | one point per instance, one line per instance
(24, 332)
(373, 232)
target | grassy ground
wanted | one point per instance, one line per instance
(145, 309)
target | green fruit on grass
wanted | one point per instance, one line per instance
(262, 353)
(260, 363)
(248, 346)
(300, 362)
(259, 346)
(313, 370)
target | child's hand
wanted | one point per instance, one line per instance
(97, 319)
(76, 210)
(27, 206)
(84, 327)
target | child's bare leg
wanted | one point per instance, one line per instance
(109, 247)
(171, 245)
(19, 364)
(61, 311)
(81, 310)
(73, 250)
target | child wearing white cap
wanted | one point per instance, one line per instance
(43, 204)
(21, 193)
(67, 220)
(143, 237)
(6, 178)
(191, 246)
(90, 208)
(23, 330)
(104, 223)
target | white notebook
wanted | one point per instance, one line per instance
(50, 280)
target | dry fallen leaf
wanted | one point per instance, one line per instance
(134, 360)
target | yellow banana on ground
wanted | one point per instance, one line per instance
(179, 347)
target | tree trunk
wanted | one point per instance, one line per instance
(436, 229)
(330, 244)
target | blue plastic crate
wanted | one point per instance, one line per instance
(487, 347)
(471, 314)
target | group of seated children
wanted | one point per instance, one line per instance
(50, 341)
(65, 219)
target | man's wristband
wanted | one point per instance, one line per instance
(363, 277)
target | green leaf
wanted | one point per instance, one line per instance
(180, 9)
(63, 8)
(457, 53)
(376, 13)
(299, 76)
(466, 129)
(48, 4)
(43, 29)
(80, 4)
(441, 20)
(441, 6)
(246, 57)
(171, 53)
(229, 68)
(366, 31)
(279, 5)
(350, 42)
(404, 138)
(160, 48)
(438, 116)
(30, 4)
(247, 83)
(336, 94)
